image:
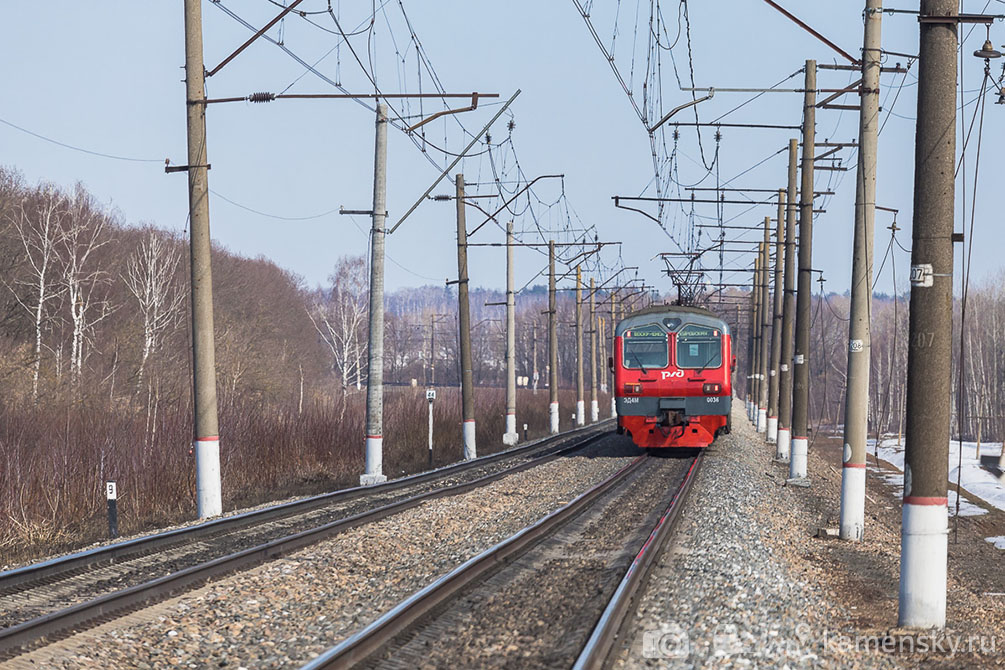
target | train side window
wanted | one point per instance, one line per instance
(699, 347)
(645, 348)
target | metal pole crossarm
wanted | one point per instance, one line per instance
(265, 96)
(254, 37)
(987, 19)
(769, 190)
(691, 103)
(456, 160)
(838, 91)
(714, 124)
(618, 198)
(515, 196)
(805, 26)
(897, 69)
(837, 94)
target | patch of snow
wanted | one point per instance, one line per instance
(974, 479)
(999, 541)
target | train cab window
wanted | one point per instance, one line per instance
(699, 347)
(645, 348)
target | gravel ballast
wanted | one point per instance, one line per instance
(747, 582)
(722, 595)
(281, 614)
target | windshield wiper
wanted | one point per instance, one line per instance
(639, 361)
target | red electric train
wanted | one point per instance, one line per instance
(673, 376)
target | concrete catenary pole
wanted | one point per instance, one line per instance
(614, 327)
(432, 349)
(594, 404)
(511, 437)
(206, 432)
(788, 311)
(856, 413)
(580, 385)
(464, 327)
(776, 322)
(374, 470)
(924, 529)
(533, 336)
(766, 313)
(552, 343)
(804, 293)
(751, 332)
(755, 337)
(856, 402)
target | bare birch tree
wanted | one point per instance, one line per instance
(83, 235)
(150, 278)
(39, 222)
(339, 317)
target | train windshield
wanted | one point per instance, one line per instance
(699, 347)
(645, 348)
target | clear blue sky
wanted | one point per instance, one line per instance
(107, 77)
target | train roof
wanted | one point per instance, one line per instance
(656, 314)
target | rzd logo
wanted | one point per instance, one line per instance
(675, 373)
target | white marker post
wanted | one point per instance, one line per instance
(112, 496)
(430, 396)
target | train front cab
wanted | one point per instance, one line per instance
(673, 379)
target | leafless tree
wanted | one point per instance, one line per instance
(150, 278)
(39, 222)
(339, 315)
(83, 279)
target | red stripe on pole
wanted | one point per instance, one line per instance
(211, 438)
(773, 417)
(798, 437)
(925, 500)
(854, 465)
(469, 420)
(374, 437)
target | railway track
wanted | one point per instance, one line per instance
(47, 601)
(539, 596)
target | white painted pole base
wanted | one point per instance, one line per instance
(852, 502)
(594, 411)
(614, 408)
(469, 440)
(923, 557)
(510, 437)
(553, 418)
(1001, 458)
(797, 459)
(580, 413)
(772, 432)
(782, 447)
(762, 419)
(208, 495)
(374, 471)
(750, 407)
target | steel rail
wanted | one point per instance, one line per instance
(361, 645)
(17, 639)
(625, 597)
(21, 578)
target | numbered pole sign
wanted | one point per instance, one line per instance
(112, 495)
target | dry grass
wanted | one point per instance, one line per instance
(56, 459)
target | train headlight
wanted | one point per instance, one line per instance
(633, 388)
(711, 389)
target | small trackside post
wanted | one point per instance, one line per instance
(111, 496)
(430, 397)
